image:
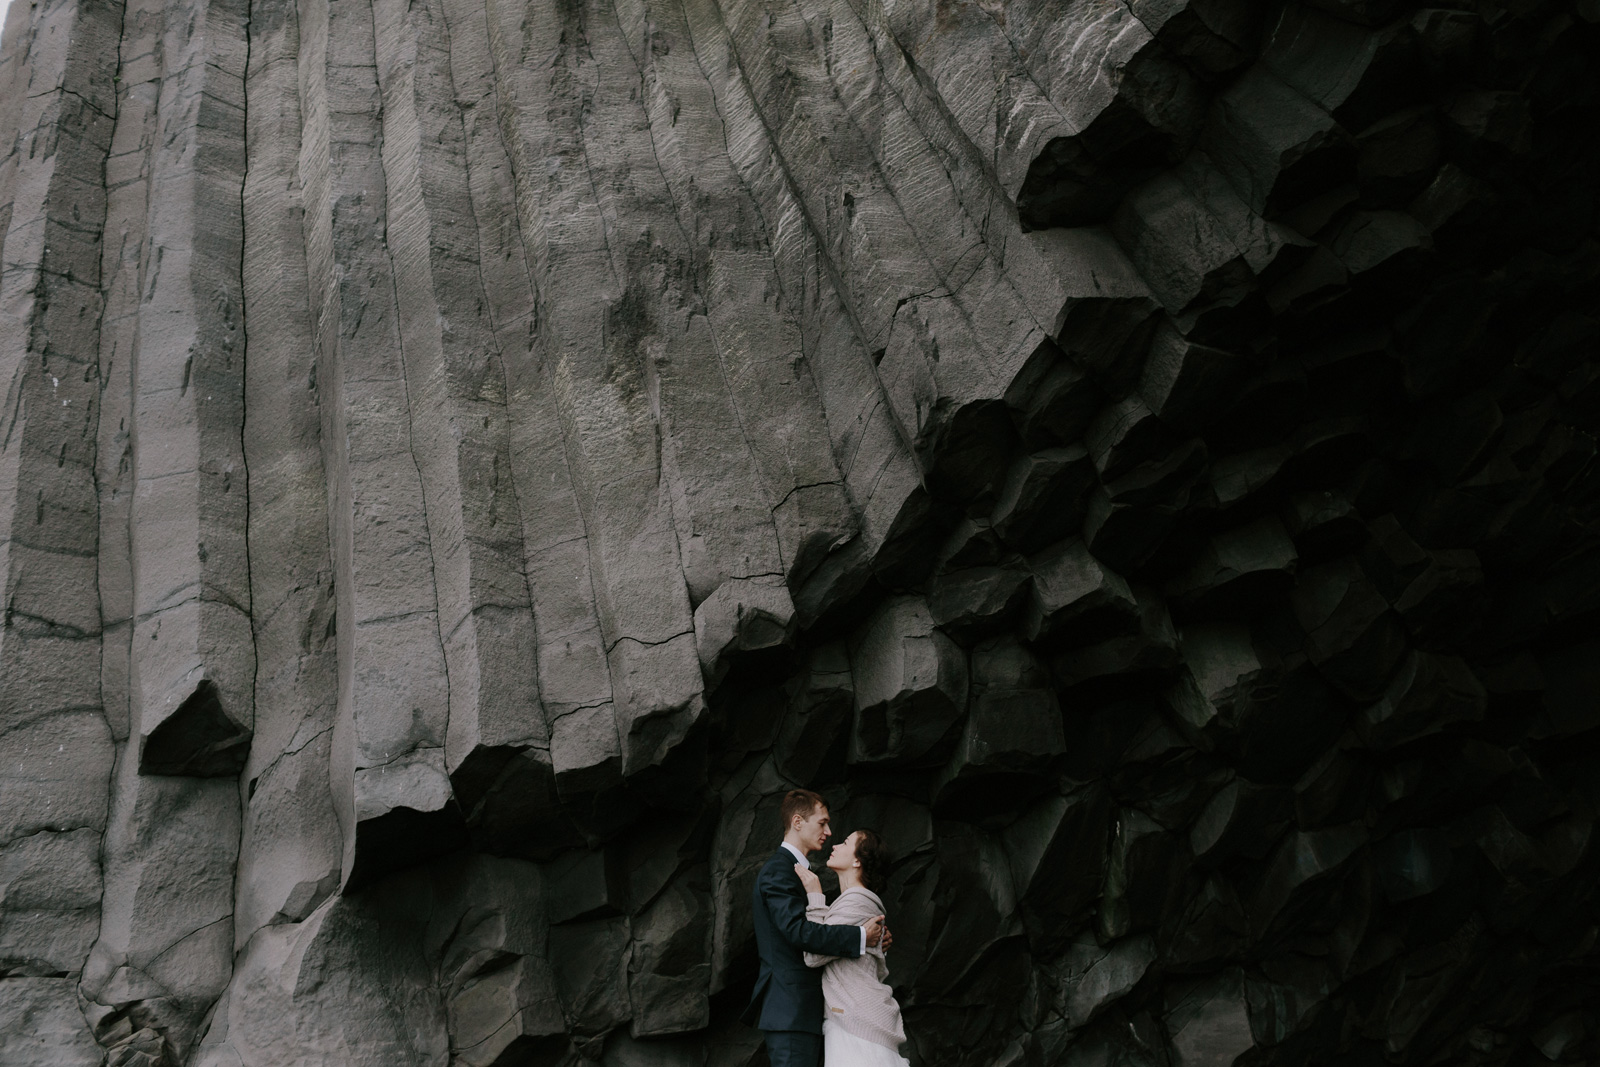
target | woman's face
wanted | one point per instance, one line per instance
(844, 854)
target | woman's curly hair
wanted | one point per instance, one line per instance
(873, 855)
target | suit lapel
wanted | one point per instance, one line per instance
(786, 864)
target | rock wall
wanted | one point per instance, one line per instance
(462, 460)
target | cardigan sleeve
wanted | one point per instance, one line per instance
(817, 912)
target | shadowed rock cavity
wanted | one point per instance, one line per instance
(199, 738)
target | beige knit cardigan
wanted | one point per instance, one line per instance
(855, 995)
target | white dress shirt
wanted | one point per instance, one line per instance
(801, 857)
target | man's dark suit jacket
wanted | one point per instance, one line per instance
(788, 994)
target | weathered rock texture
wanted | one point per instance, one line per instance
(462, 460)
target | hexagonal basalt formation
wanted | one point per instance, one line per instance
(464, 460)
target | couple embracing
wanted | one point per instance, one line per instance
(821, 985)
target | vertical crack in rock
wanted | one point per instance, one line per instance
(429, 814)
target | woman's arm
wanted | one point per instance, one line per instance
(787, 907)
(817, 912)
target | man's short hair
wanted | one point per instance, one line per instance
(801, 802)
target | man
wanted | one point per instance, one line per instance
(787, 1003)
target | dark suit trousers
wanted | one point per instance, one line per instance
(793, 1048)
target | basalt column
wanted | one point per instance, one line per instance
(462, 461)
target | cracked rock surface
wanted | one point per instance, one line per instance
(461, 461)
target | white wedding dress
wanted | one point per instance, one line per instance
(841, 1048)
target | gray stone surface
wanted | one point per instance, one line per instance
(1013, 733)
(44, 1025)
(1209, 1022)
(1097, 977)
(911, 685)
(462, 461)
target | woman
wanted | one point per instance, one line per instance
(862, 1026)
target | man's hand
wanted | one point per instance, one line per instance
(812, 883)
(875, 931)
(888, 939)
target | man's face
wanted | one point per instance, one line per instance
(813, 830)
